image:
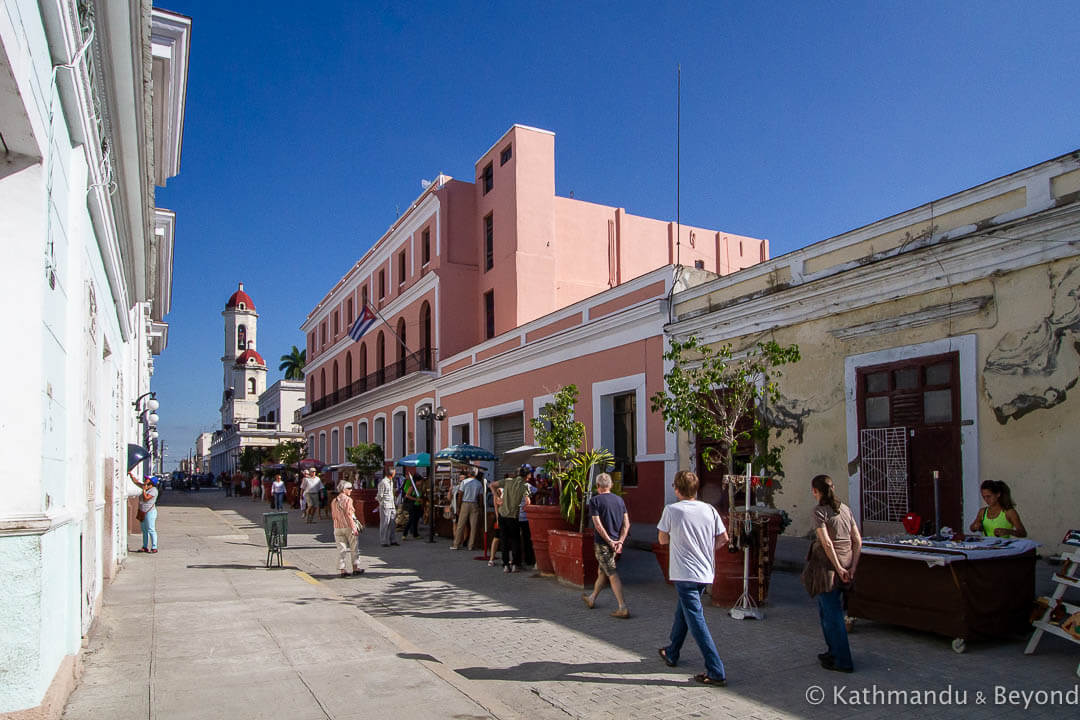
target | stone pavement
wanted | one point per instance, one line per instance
(518, 645)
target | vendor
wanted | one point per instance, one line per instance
(999, 518)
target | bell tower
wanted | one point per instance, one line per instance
(243, 368)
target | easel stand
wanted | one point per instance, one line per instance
(745, 608)
(274, 549)
(1058, 609)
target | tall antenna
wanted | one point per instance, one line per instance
(678, 161)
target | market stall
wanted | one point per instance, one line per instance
(975, 587)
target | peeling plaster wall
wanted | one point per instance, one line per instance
(1033, 453)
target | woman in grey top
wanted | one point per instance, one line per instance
(148, 511)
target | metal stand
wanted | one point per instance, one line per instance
(745, 608)
(274, 549)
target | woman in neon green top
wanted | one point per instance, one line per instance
(999, 518)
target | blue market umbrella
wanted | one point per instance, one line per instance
(465, 453)
(415, 460)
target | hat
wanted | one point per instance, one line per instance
(153, 480)
(526, 469)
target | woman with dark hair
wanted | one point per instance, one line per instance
(999, 518)
(830, 569)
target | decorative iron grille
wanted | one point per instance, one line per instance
(884, 473)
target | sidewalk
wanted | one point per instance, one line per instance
(203, 630)
(499, 645)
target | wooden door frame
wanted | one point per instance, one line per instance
(964, 346)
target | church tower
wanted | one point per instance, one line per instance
(244, 375)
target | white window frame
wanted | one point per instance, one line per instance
(619, 386)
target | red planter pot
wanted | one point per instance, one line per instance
(573, 557)
(364, 504)
(543, 518)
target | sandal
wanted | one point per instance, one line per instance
(706, 680)
(588, 603)
(491, 563)
(663, 654)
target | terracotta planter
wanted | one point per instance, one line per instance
(573, 557)
(662, 558)
(365, 505)
(543, 518)
(266, 495)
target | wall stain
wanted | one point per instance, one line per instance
(1033, 369)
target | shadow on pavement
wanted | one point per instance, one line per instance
(597, 672)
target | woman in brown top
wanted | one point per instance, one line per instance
(831, 564)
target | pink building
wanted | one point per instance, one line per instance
(504, 292)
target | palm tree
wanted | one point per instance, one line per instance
(293, 364)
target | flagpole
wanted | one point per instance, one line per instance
(392, 330)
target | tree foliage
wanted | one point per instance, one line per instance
(251, 457)
(559, 433)
(293, 363)
(709, 389)
(288, 452)
(576, 490)
(368, 458)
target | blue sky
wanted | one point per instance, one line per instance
(309, 127)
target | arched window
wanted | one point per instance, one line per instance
(363, 367)
(322, 383)
(311, 389)
(251, 386)
(425, 337)
(401, 347)
(380, 359)
(349, 313)
(348, 369)
(335, 376)
(241, 337)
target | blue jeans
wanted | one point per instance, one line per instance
(149, 529)
(279, 501)
(831, 612)
(690, 616)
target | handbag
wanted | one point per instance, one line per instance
(357, 525)
(141, 515)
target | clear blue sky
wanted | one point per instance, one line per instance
(308, 126)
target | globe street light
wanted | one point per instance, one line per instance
(429, 417)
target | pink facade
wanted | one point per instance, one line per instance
(504, 292)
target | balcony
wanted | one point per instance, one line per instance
(422, 360)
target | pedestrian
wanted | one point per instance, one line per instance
(496, 503)
(528, 557)
(277, 492)
(693, 531)
(611, 524)
(346, 529)
(513, 495)
(310, 489)
(830, 570)
(472, 492)
(147, 511)
(256, 488)
(324, 501)
(414, 498)
(227, 482)
(387, 509)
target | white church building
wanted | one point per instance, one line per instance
(251, 415)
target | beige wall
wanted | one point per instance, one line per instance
(1033, 453)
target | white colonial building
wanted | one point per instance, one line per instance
(91, 118)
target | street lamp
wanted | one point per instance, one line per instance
(429, 417)
(149, 419)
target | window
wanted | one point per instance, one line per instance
(251, 386)
(459, 434)
(489, 241)
(506, 154)
(361, 432)
(322, 447)
(322, 329)
(425, 337)
(380, 359)
(348, 369)
(489, 314)
(334, 446)
(382, 284)
(401, 349)
(401, 268)
(425, 247)
(349, 312)
(348, 439)
(488, 178)
(335, 376)
(337, 324)
(241, 337)
(363, 297)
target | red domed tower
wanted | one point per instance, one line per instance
(244, 375)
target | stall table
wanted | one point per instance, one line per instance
(959, 590)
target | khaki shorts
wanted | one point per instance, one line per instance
(605, 558)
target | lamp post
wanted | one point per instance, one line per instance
(429, 417)
(149, 419)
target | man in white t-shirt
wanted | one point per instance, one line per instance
(310, 489)
(693, 530)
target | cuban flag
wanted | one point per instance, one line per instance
(363, 324)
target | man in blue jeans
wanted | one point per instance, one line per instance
(693, 530)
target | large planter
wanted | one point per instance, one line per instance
(365, 506)
(543, 518)
(572, 557)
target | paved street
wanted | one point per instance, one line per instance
(202, 629)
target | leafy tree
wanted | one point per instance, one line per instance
(250, 458)
(368, 458)
(288, 452)
(293, 364)
(709, 389)
(559, 433)
(578, 483)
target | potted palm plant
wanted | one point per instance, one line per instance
(572, 551)
(561, 435)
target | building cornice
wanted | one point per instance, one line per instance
(1049, 236)
(36, 523)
